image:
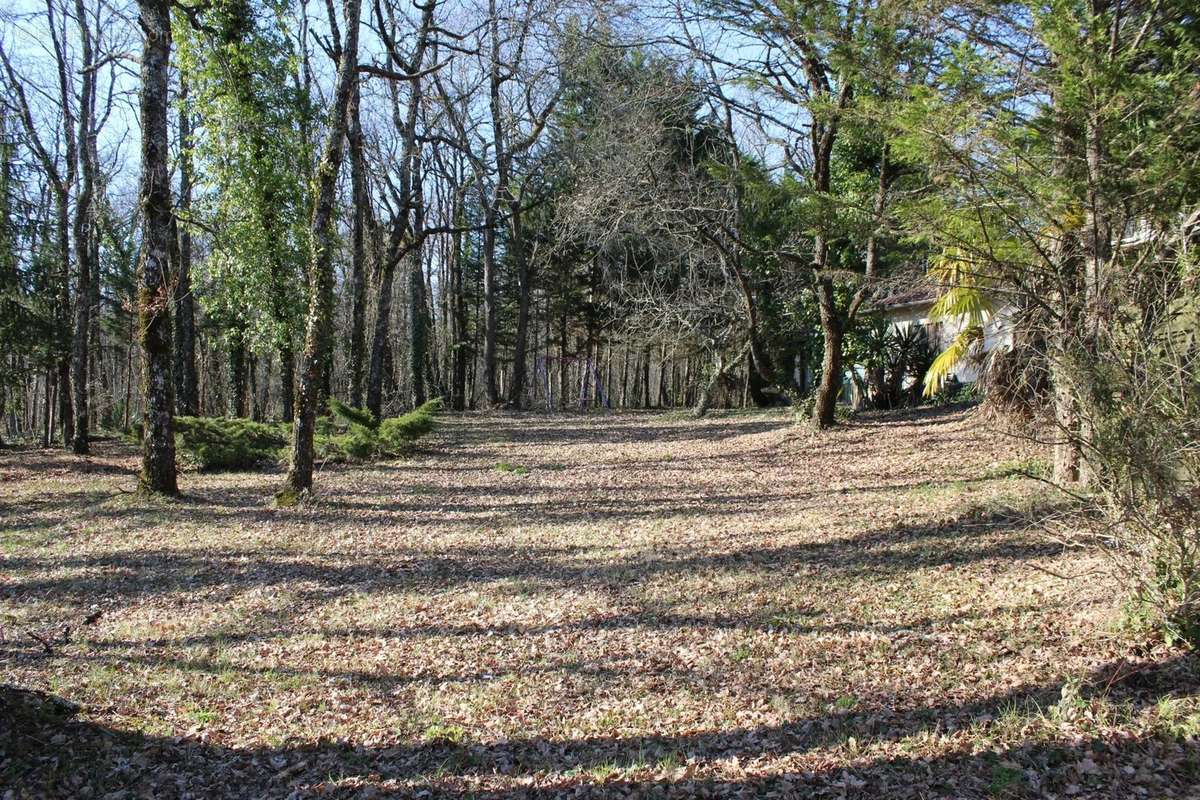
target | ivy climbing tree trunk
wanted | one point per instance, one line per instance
(318, 328)
(154, 301)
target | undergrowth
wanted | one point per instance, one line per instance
(349, 434)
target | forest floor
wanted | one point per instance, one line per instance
(537, 606)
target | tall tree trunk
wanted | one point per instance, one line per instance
(287, 382)
(521, 342)
(459, 343)
(154, 301)
(83, 229)
(187, 399)
(318, 329)
(236, 366)
(47, 410)
(562, 360)
(379, 338)
(1072, 297)
(358, 253)
(418, 328)
(66, 418)
(79, 342)
(490, 311)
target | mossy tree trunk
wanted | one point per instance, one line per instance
(154, 299)
(319, 325)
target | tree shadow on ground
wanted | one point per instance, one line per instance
(558, 431)
(44, 751)
(98, 578)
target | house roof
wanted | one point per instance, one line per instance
(922, 294)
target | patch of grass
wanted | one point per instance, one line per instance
(928, 490)
(1032, 467)
(649, 616)
(602, 772)
(13, 541)
(845, 703)
(200, 715)
(1177, 719)
(669, 762)
(609, 720)
(1005, 781)
(442, 733)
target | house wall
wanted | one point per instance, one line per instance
(997, 333)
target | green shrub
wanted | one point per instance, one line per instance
(352, 416)
(231, 444)
(396, 434)
(228, 444)
(359, 443)
(953, 393)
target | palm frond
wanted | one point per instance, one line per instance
(943, 366)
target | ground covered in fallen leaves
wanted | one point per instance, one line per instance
(535, 606)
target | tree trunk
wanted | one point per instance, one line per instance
(48, 410)
(186, 380)
(379, 337)
(418, 328)
(83, 250)
(154, 301)
(66, 419)
(490, 311)
(706, 392)
(825, 408)
(1067, 460)
(358, 258)
(521, 342)
(287, 382)
(79, 342)
(318, 330)
(459, 344)
(187, 393)
(236, 365)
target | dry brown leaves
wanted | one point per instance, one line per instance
(537, 606)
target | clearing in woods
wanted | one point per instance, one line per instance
(535, 606)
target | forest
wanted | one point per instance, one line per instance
(538, 398)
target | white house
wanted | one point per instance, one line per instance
(910, 307)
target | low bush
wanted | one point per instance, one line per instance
(214, 443)
(361, 441)
(352, 416)
(396, 434)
